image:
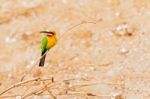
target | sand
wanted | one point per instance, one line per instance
(102, 50)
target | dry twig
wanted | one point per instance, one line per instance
(18, 84)
(22, 83)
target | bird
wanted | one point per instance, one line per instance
(48, 41)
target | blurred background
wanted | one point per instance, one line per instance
(99, 41)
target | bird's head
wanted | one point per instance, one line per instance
(49, 33)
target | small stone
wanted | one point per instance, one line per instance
(61, 65)
(121, 30)
(78, 76)
(124, 51)
(65, 1)
(119, 97)
(121, 27)
(10, 40)
(92, 68)
(18, 97)
(76, 59)
(117, 14)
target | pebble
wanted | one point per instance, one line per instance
(10, 40)
(18, 97)
(124, 50)
(121, 30)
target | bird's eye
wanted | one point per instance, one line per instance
(53, 33)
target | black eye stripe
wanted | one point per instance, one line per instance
(46, 32)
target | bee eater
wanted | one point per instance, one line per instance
(48, 42)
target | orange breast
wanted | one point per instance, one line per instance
(51, 41)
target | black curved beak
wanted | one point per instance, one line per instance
(47, 32)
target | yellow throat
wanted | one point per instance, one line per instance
(52, 40)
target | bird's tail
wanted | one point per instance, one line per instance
(42, 60)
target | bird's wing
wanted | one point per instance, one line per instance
(44, 43)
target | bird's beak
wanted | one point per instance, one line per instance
(47, 32)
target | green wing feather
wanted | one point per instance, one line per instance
(44, 43)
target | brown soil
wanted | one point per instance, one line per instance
(102, 50)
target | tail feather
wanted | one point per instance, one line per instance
(42, 60)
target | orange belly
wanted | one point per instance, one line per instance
(51, 42)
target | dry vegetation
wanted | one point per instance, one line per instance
(102, 52)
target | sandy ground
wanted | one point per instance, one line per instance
(105, 56)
